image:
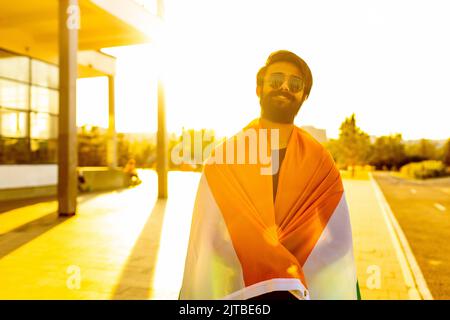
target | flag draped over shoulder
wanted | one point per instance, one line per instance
(244, 244)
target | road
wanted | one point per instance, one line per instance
(422, 209)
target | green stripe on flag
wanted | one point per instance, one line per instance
(358, 292)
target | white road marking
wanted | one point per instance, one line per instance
(440, 207)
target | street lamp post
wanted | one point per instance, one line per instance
(162, 148)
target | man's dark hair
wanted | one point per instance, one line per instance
(287, 56)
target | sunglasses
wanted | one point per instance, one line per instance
(277, 79)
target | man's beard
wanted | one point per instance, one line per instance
(279, 110)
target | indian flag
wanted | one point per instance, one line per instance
(244, 244)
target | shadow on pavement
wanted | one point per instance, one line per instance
(25, 233)
(136, 279)
(8, 205)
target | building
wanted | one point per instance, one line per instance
(44, 46)
(318, 134)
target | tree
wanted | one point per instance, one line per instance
(388, 151)
(92, 143)
(421, 150)
(123, 149)
(353, 145)
(446, 153)
(334, 148)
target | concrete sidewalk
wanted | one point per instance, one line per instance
(128, 245)
(120, 245)
(379, 267)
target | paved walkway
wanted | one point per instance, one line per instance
(127, 245)
(120, 245)
(379, 271)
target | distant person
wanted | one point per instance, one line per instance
(82, 183)
(130, 169)
(282, 235)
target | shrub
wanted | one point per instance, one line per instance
(424, 170)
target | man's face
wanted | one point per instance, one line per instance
(281, 94)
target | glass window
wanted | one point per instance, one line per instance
(13, 124)
(44, 74)
(14, 67)
(44, 151)
(28, 111)
(44, 100)
(13, 95)
(14, 150)
(43, 126)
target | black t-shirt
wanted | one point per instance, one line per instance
(281, 155)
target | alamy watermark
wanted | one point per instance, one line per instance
(250, 146)
(73, 17)
(374, 279)
(73, 281)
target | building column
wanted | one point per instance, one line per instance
(162, 145)
(68, 24)
(112, 138)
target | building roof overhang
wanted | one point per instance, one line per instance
(31, 28)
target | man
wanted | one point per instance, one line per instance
(285, 235)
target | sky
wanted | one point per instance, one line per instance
(386, 61)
